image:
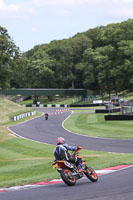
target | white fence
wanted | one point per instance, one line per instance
(23, 115)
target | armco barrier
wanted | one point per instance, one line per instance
(23, 115)
(118, 117)
(87, 105)
(101, 111)
(65, 105)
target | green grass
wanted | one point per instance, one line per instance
(86, 109)
(9, 109)
(24, 161)
(95, 125)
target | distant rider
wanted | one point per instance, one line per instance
(61, 153)
(46, 116)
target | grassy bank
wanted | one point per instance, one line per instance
(95, 125)
(9, 109)
(23, 161)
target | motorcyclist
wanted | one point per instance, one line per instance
(46, 116)
(61, 153)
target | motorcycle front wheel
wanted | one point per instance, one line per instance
(67, 177)
(91, 174)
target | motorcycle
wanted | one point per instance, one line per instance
(46, 116)
(70, 173)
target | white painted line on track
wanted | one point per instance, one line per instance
(90, 136)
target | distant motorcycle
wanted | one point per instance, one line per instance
(69, 172)
(46, 116)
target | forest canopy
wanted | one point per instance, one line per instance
(100, 59)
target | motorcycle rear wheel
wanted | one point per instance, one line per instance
(67, 177)
(91, 174)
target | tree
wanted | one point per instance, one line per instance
(89, 72)
(8, 54)
(123, 72)
(62, 53)
(98, 59)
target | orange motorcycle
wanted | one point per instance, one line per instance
(69, 172)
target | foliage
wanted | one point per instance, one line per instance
(8, 58)
(99, 59)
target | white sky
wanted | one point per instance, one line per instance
(33, 22)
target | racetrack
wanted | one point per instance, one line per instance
(113, 186)
(47, 131)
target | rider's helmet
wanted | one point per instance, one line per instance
(60, 140)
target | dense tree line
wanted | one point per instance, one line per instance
(99, 59)
(9, 57)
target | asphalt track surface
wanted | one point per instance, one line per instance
(47, 131)
(114, 186)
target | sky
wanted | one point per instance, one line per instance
(35, 22)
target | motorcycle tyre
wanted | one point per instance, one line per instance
(66, 179)
(93, 177)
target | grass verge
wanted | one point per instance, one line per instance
(94, 125)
